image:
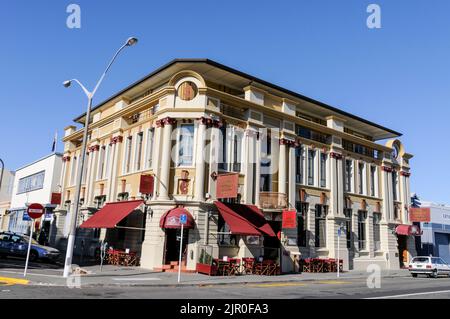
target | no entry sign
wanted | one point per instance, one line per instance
(35, 211)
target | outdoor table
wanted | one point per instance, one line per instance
(121, 258)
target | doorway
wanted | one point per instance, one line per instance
(272, 245)
(172, 246)
(403, 251)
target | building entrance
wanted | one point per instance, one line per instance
(172, 247)
(402, 250)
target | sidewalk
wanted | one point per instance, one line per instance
(113, 276)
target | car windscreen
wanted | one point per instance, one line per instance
(421, 260)
(34, 242)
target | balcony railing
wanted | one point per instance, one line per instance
(270, 200)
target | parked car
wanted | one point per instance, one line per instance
(16, 245)
(431, 266)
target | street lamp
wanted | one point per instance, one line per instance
(73, 226)
(1, 175)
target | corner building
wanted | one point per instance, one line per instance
(194, 120)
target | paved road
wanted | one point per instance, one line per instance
(392, 288)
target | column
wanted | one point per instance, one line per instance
(214, 158)
(92, 173)
(282, 167)
(292, 186)
(156, 163)
(112, 182)
(199, 190)
(62, 181)
(258, 169)
(336, 185)
(164, 179)
(388, 202)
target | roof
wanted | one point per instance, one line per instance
(250, 78)
(39, 160)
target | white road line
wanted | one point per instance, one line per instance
(136, 279)
(31, 274)
(414, 294)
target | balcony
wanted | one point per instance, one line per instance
(270, 200)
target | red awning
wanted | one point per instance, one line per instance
(408, 230)
(238, 224)
(112, 214)
(171, 219)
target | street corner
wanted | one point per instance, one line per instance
(7, 281)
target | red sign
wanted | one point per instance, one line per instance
(56, 199)
(289, 219)
(146, 185)
(419, 215)
(35, 211)
(227, 185)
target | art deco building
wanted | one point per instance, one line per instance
(196, 128)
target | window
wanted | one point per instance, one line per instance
(101, 163)
(323, 170)
(187, 91)
(223, 148)
(348, 232)
(73, 171)
(311, 158)
(138, 155)
(320, 223)
(85, 168)
(128, 150)
(348, 175)
(149, 148)
(361, 178)
(302, 213)
(394, 184)
(185, 145)
(237, 151)
(31, 183)
(266, 152)
(225, 238)
(299, 158)
(362, 229)
(373, 171)
(377, 231)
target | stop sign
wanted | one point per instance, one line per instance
(35, 211)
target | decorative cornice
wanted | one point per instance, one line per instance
(386, 169)
(116, 139)
(335, 155)
(166, 121)
(66, 159)
(94, 148)
(210, 122)
(406, 174)
(289, 143)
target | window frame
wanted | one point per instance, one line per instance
(179, 136)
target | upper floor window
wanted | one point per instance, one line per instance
(31, 183)
(223, 154)
(395, 184)
(373, 171)
(128, 151)
(138, 155)
(237, 151)
(361, 178)
(185, 145)
(73, 170)
(187, 91)
(299, 164)
(149, 148)
(101, 163)
(323, 170)
(311, 160)
(85, 168)
(348, 175)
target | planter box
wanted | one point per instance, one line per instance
(210, 270)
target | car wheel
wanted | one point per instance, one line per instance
(33, 255)
(435, 274)
(414, 275)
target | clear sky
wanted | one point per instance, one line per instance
(397, 76)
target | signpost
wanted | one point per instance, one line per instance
(338, 248)
(34, 211)
(183, 221)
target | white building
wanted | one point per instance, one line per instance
(5, 197)
(35, 183)
(435, 239)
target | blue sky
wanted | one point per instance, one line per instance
(397, 76)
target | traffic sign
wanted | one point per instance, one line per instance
(183, 219)
(339, 231)
(35, 211)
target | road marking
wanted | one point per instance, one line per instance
(272, 285)
(31, 274)
(332, 282)
(136, 279)
(414, 294)
(6, 281)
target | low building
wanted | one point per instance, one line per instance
(5, 198)
(435, 239)
(35, 183)
(233, 152)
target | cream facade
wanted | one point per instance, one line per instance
(192, 120)
(6, 190)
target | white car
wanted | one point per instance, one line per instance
(431, 266)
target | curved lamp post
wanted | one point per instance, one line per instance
(73, 226)
(1, 174)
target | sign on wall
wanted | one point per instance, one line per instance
(227, 185)
(56, 199)
(146, 184)
(420, 215)
(289, 219)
